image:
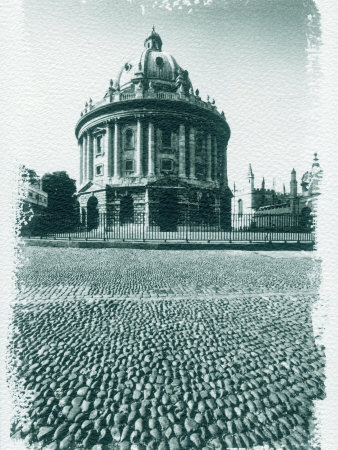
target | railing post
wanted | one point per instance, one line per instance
(143, 225)
(232, 218)
(219, 223)
(186, 226)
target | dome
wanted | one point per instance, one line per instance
(154, 68)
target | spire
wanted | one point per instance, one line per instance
(250, 174)
(315, 161)
(154, 41)
(293, 184)
(263, 184)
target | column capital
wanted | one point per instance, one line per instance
(108, 122)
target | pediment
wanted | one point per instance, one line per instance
(91, 187)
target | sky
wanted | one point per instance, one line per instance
(257, 59)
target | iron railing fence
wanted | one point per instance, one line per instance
(136, 227)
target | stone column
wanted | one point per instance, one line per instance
(108, 166)
(204, 156)
(85, 165)
(192, 148)
(81, 160)
(225, 169)
(181, 149)
(146, 208)
(138, 153)
(215, 158)
(208, 157)
(90, 157)
(157, 151)
(117, 150)
(151, 150)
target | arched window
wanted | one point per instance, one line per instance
(129, 138)
(126, 209)
(92, 213)
(83, 216)
(159, 61)
(99, 145)
(166, 138)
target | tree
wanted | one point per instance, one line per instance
(29, 175)
(61, 209)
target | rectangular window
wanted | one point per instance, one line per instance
(99, 170)
(129, 166)
(166, 165)
(99, 145)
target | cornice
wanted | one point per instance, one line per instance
(141, 108)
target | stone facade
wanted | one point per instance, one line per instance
(263, 202)
(153, 148)
(35, 202)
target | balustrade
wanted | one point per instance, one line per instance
(119, 97)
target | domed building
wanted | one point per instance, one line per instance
(152, 148)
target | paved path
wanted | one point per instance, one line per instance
(121, 348)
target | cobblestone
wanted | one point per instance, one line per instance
(122, 348)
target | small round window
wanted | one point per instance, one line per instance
(159, 61)
(127, 67)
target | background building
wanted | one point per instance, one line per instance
(34, 203)
(152, 148)
(264, 202)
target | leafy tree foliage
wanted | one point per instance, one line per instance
(61, 210)
(29, 175)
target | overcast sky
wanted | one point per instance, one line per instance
(251, 56)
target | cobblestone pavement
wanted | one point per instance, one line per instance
(141, 349)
